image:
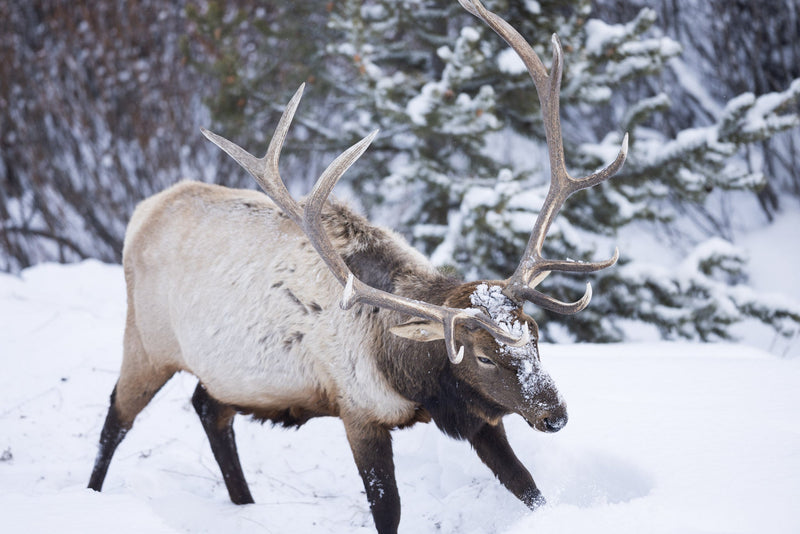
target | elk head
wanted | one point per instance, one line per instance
(480, 322)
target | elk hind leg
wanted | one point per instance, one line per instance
(217, 419)
(139, 380)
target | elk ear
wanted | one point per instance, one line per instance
(418, 330)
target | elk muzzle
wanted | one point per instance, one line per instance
(542, 406)
(553, 419)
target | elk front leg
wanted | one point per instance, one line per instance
(372, 450)
(491, 444)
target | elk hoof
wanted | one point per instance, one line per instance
(534, 499)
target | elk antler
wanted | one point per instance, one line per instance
(265, 171)
(533, 268)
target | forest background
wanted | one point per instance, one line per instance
(101, 103)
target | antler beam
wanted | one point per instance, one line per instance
(533, 268)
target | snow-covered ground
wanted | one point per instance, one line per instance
(663, 438)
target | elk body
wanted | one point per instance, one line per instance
(292, 310)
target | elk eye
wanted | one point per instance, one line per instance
(486, 361)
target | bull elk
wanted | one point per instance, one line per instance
(292, 310)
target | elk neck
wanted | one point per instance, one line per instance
(421, 372)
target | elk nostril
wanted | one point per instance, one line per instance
(554, 424)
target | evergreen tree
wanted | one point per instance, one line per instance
(434, 120)
(664, 179)
(472, 206)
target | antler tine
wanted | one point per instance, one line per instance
(549, 303)
(265, 170)
(533, 268)
(311, 222)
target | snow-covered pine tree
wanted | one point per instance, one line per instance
(470, 201)
(667, 180)
(417, 85)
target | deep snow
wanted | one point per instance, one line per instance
(662, 438)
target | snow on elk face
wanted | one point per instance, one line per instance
(514, 376)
